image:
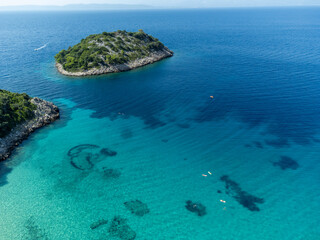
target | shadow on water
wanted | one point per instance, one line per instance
(4, 171)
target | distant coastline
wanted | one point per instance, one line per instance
(44, 114)
(76, 7)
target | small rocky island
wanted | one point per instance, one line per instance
(111, 52)
(20, 115)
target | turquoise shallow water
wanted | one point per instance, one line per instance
(261, 130)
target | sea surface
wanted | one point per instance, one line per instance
(154, 134)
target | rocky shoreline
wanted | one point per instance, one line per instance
(45, 114)
(154, 57)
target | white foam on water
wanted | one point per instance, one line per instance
(37, 49)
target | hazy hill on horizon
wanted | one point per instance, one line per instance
(74, 7)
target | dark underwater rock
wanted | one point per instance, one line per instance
(120, 228)
(111, 173)
(98, 223)
(108, 152)
(137, 207)
(197, 208)
(245, 199)
(286, 162)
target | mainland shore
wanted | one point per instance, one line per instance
(44, 114)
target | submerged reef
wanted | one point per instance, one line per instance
(195, 207)
(245, 199)
(84, 156)
(120, 228)
(286, 163)
(137, 207)
(98, 223)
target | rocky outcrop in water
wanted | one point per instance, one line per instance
(44, 114)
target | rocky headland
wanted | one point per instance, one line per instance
(43, 114)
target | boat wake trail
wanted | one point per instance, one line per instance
(37, 49)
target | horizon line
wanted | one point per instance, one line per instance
(134, 7)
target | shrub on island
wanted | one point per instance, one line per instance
(15, 108)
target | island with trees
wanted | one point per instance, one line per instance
(111, 52)
(20, 115)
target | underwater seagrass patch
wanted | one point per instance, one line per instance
(258, 144)
(107, 152)
(245, 199)
(111, 173)
(85, 156)
(34, 232)
(126, 133)
(119, 228)
(278, 143)
(286, 163)
(98, 223)
(137, 207)
(195, 207)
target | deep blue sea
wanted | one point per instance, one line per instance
(250, 155)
